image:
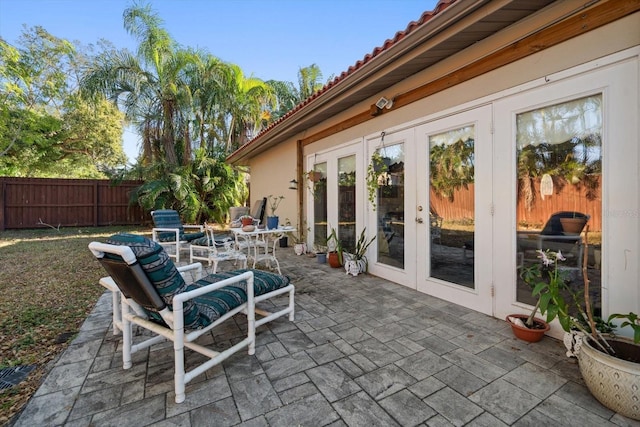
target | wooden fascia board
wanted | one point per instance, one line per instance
(576, 25)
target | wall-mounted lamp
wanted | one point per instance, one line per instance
(384, 103)
(293, 184)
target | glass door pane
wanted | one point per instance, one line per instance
(389, 172)
(347, 202)
(452, 205)
(319, 190)
(559, 161)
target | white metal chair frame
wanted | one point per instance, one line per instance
(215, 253)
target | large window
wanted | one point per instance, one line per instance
(559, 161)
(347, 202)
(452, 205)
(389, 174)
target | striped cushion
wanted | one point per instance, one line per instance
(162, 273)
(263, 281)
(169, 218)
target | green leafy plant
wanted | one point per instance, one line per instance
(376, 167)
(548, 283)
(335, 245)
(362, 245)
(631, 321)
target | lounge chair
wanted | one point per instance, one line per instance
(170, 232)
(153, 295)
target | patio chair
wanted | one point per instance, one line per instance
(170, 232)
(557, 236)
(154, 296)
(213, 251)
(259, 209)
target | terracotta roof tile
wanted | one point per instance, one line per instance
(389, 43)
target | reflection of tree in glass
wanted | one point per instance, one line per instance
(452, 167)
(564, 141)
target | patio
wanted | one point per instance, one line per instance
(362, 352)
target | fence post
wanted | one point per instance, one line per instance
(2, 204)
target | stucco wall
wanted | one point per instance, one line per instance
(270, 175)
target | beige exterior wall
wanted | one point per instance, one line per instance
(272, 170)
(270, 175)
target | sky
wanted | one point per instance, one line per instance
(269, 39)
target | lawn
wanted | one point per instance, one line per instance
(49, 284)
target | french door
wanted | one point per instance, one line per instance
(454, 207)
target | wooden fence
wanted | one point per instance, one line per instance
(32, 202)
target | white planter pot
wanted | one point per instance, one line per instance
(614, 382)
(300, 248)
(355, 267)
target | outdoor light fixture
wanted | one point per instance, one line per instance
(384, 103)
(293, 184)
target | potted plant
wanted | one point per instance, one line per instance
(543, 280)
(320, 248)
(610, 366)
(246, 220)
(274, 202)
(356, 262)
(334, 245)
(377, 166)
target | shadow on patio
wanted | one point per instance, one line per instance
(362, 352)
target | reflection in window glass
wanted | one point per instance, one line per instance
(452, 205)
(389, 173)
(347, 202)
(559, 161)
(318, 181)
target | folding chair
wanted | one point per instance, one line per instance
(170, 232)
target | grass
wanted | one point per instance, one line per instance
(49, 284)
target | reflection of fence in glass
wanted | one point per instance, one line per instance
(570, 198)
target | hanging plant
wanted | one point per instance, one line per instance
(377, 166)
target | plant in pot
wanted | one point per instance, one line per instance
(377, 167)
(335, 252)
(299, 243)
(320, 248)
(274, 202)
(544, 278)
(246, 220)
(610, 366)
(356, 261)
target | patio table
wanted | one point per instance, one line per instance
(261, 243)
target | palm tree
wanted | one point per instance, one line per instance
(288, 96)
(150, 86)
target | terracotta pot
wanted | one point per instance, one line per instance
(247, 221)
(334, 260)
(572, 225)
(611, 380)
(526, 334)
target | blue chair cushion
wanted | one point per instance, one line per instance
(164, 276)
(169, 218)
(263, 281)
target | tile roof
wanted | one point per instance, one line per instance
(388, 44)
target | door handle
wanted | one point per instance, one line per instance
(419, 220)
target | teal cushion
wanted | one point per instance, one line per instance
(263, 281)
(162, 273)
(169, 218)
